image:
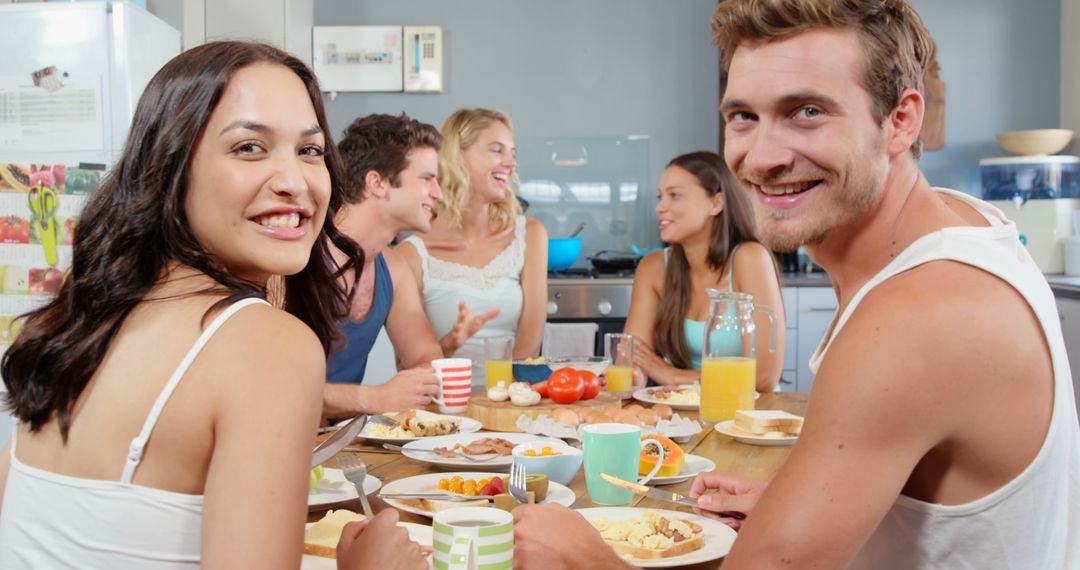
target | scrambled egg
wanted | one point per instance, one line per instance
(642, 531)
(688, 396)
(379, 430)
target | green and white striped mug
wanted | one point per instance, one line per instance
(473, 538)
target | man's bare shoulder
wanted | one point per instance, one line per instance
(930, 337)
(398, 262)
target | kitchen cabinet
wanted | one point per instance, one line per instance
(809, 311)
(1069, 310)
(789, 379)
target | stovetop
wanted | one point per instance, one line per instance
(589, 273)
(588, 294)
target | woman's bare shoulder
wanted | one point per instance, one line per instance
(752, 252)
(651, 269)
(268, 342)
(534, 227)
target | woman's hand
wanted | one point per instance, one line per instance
(655, 367)
(466, 326)
(719, 494)
(378, 543)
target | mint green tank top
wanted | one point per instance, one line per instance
(729, 342)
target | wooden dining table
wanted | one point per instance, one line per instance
(759, 462)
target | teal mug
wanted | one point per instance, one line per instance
(614, 449)
(468, 538)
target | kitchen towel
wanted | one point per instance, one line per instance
(569, 339)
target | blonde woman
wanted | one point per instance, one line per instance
(482, 253)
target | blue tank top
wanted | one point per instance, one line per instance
(347, 364)
(694, 331)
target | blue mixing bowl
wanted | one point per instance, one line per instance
(563, 252)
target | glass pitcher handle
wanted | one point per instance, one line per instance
(772, 325)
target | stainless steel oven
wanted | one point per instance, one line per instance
(588, 297)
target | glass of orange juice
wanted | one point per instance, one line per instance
(498, 360)
(619, 348)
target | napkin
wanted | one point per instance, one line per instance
(569, 339)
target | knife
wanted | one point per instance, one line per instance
(437, 496)
(650, 492)
(336, 442)
(659, 495)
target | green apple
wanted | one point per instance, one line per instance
(314, 477)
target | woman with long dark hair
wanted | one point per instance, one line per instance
(165, 411)
(709, 223)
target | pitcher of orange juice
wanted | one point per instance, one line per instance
(728, 359)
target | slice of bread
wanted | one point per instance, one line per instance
(684, 547)
(435, 506)
(321, 538)
(767, 423)
(650, 536)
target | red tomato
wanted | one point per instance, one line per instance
(566, 386)
(592, 384)
(541, 388)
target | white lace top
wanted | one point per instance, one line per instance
(496, 285)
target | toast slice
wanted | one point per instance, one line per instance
(321, 538)
(651, 536)
(767, 423)
(434, 506)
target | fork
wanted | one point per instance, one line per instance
(473, 458)
(355, 471)
(516, 483)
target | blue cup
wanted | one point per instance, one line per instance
(614, 449)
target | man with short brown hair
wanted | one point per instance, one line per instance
(392, 173)
(942, 429)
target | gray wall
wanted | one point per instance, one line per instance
(551, 65)
(1000, 60)
(559, 67)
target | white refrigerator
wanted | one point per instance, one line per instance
(70, 78)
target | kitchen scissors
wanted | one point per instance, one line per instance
(43, 205)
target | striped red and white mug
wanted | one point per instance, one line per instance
(455, 384)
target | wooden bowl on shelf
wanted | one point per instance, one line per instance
(1035, 142)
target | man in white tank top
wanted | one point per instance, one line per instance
(942, 428)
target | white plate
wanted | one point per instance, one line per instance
(417, 533)
(465, 425)
(334, 488)
(725, 428)
(429, 483)
(448, 441)
(645, 395)
(694, 464)
(718, 536)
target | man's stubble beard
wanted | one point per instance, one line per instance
(849, 202)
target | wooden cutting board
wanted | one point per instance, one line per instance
(502, 416)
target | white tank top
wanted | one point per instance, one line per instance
(1032, 521)
(496, 285)
(57, 521)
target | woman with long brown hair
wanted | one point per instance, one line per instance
(166, 412)
(709, 224)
